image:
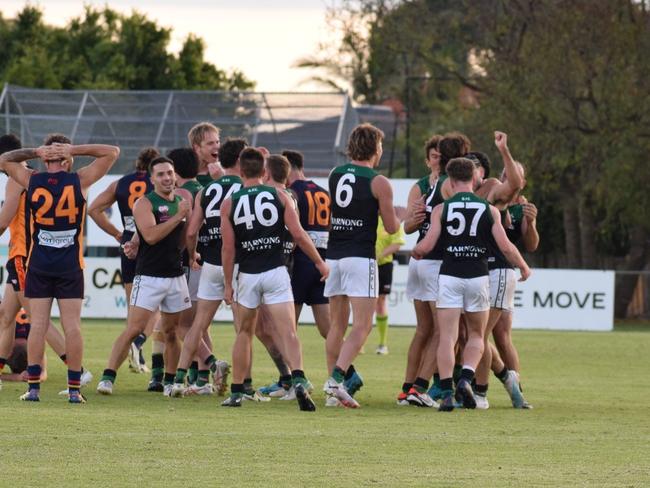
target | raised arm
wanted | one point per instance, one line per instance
(10, 164)
(506, 247)
(506, 190)
(10, 206)
(96, 211)
(145, 220)
(302, 240)
(383, 192)
(105, 156)
(425, 246)
(227, 249)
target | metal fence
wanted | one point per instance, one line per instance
(317, 124)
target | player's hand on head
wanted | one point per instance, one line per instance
(500, 139)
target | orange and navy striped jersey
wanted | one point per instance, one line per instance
(19, 238)
(58, 209)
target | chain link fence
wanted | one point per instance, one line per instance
(317, 124)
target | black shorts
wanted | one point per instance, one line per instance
(42, 286)
(306, 284)
(16, 271)
(127, 268)
(385, 278)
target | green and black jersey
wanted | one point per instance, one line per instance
(193, 187)
(353, 230)
(162, 259)
(204, 179)
(466, 230)
(433, 197)
(513, 230)
(210, 235)
(257, 216)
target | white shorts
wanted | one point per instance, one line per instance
(211, 284)
(268, 287)
(152, 292)
(469, 294)
(422, 281)
(192, 276)
(503, 282)
(354, 277)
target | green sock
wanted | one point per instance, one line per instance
(338, 374)
(204, 377)
(382, 327)
(180, 375)
(157, 374)
(193, 372)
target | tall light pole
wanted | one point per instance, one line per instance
(407, 153)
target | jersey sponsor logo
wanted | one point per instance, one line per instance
(129, 223)
(58, 239)
(466, 251)
(261, 243)
(339, 223)
(319, 238)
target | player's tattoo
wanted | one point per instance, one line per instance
(18, 155)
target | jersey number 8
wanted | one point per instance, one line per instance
(264, 211)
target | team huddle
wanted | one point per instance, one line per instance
(224, 222)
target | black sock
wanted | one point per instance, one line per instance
(447, 384)
(157, 360)
(168, 378)
(297, 373)
(502, 375)
(406, 387)
(140, 340)
(64, 358)
(237, 387)
(285, 381)
(209, 360)
(481, 389)
(467, 374)
(350, 372)
(421, 383)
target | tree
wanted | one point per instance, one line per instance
(104, 49)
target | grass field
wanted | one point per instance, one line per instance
(590, 425)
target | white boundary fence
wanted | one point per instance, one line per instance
(551, 299)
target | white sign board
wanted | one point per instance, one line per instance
(550, 299)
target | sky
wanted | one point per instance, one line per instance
(262, 38)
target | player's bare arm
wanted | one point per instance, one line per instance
(383, 192)
(292, 222)
(508, 249)
(504, 191)
(97, 208)
(529, 233)
(10, 163)
(146, 221)
(227, 249)
(11, 204)
(193, 227)
(415, 210)
(105, 156)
